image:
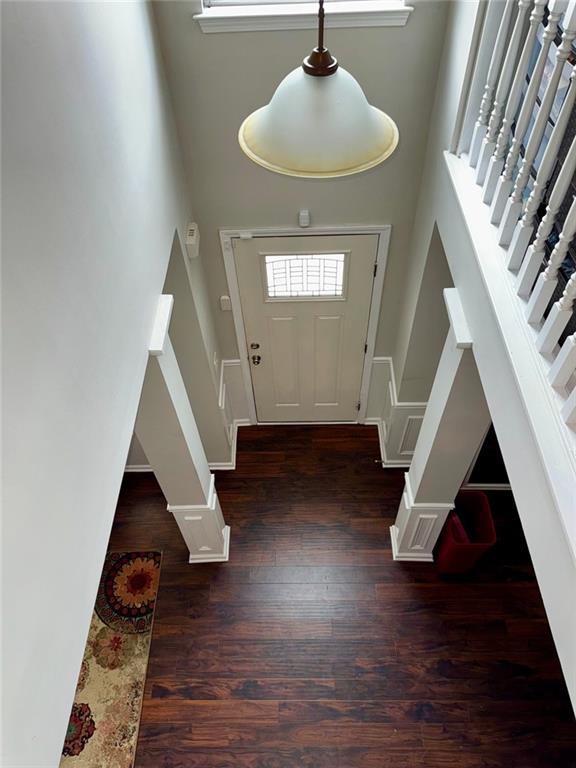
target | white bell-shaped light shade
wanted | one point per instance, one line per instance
(318, 127)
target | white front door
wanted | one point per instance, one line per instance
(305, 303)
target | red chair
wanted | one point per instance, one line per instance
(468, 533)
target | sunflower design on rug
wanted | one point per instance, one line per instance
(103, 726)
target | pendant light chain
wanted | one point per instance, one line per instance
(320, 63)
(321, 26)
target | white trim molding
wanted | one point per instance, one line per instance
(219, 466)
(421, 524)
(234, 407)
(137, 468)
(227, 237)
(398, 422)
(486, 487)
(169, 436)
(161, 325)
(203, 529)
(279, 16)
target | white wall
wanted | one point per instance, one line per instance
(136, 455)
(217, 79)
(90, 206)
(199, 373)
(429, 327)
(459, 33)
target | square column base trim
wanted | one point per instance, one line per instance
(217, 558)
(417, 527)
(413, 557)
(203, 528)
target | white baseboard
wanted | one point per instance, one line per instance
(219, 466)
(215, 466)
(137, 468)
(222, 558)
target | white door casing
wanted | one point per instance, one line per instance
(309, 363)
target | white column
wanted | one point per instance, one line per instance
(501, 100)
(491, 80)
(454, 426)
(166, 428)
(504, 185)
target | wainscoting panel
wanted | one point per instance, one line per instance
(398, 422)
(232, 402)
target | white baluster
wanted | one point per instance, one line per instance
(524, 229)
(548, 280)
(569, 409)
(499, 146)
(535, 254)
(514, 205)
(558, 319)
(503, 89)
(490, 87)
(504, 186)
(564, 366)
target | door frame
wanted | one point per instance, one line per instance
(227, 238)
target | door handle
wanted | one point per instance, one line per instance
(256, 359)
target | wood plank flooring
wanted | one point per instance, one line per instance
(311, 648)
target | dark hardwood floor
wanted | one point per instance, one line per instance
(311, 648)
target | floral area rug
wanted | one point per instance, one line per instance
(103, 726)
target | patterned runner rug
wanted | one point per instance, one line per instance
(103, 726)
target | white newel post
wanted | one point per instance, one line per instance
(167, 431)
(454, 426)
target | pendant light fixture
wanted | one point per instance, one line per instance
(318, 123)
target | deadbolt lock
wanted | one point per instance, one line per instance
(254, 345)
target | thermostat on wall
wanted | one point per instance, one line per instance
(192, 240)
(304, 217)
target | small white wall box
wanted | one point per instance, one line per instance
(192, 240)
(304, 218)
(225, 304)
